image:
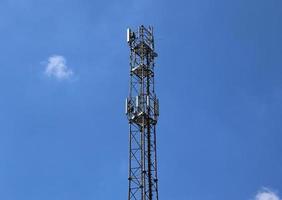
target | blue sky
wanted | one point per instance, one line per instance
(64, 69)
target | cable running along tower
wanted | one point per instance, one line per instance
(142, 110)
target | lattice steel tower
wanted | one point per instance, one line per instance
(142, 109)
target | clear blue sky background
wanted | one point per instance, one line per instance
(219, 80)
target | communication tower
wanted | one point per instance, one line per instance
(142, 110)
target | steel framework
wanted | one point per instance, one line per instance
(142, 110)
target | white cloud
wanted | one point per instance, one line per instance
(56, 67)
(266, 194)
